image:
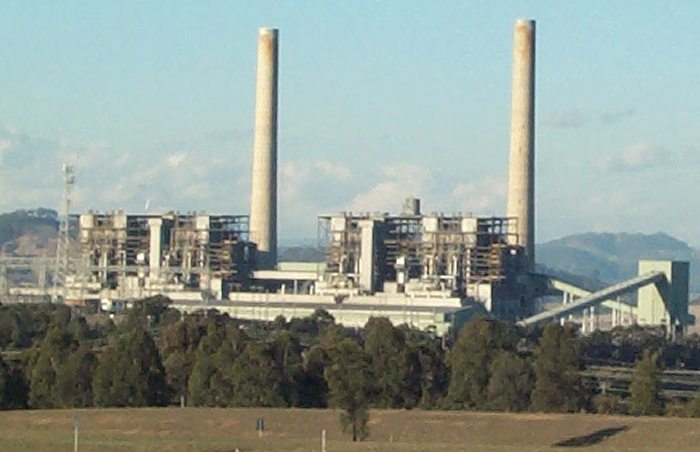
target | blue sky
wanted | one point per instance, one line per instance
(153, 102)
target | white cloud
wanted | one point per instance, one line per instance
(575, 118)
(391, 186)
(690, 157)
(5, 144)
(28, 170)
(122, 160)
(335, 170)
(438, 192)
(615, 116)
(309, 178)
(218, 180)
(118, 194)
(307, 188)
(569, 119)
(384, 196)
(175, 160)
(197, 191)
(485, 196)
(166, 177)
(609, 203)
(637, 157)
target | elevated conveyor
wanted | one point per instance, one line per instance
(599, 297)
(577, 292)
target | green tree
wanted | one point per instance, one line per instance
(693, 408)
(558, 365)
(511, 382)
(608, 404)
(211, 381)
(308, 329)
(74, 379)
(333, 334)
(645, 389)
(23, 325)
(11, 332)
(287, 350)
(179, 348)
(79, 329)
(45, 363)
(19, 337)
(429, 366)
(199, 384)
(313, 390)
(147, 313)
(130, 373)
(477, 345)
(4, 376)
(42, 384)
(255, 378)
(349, 384)
(395, 380)
(16, 388)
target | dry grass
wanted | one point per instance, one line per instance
(192, 429)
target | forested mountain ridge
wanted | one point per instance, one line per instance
(612, 257)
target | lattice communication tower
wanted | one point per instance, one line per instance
(63, 243)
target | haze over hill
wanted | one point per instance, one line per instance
(612, 257)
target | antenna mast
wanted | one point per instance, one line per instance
(63, 243)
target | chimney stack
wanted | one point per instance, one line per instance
(263, 206)
(521, 163)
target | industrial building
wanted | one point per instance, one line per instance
(434, 255)
(429, 270)
(132, 256)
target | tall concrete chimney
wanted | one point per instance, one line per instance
(521, 163)
(263, 206)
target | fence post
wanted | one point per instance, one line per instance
(76, 427)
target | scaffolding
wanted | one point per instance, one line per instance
(441, 251)
(194, 251)
(474, 250)
(213, 246)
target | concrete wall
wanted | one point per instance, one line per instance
(353, 318)
(367, 255)
(658, 308)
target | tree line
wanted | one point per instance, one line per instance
(154, 356)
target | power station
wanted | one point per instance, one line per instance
(429, 270)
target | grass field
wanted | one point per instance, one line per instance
(193, 429)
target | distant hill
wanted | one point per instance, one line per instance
(301, 254)
(608, 257)
(28, 232)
